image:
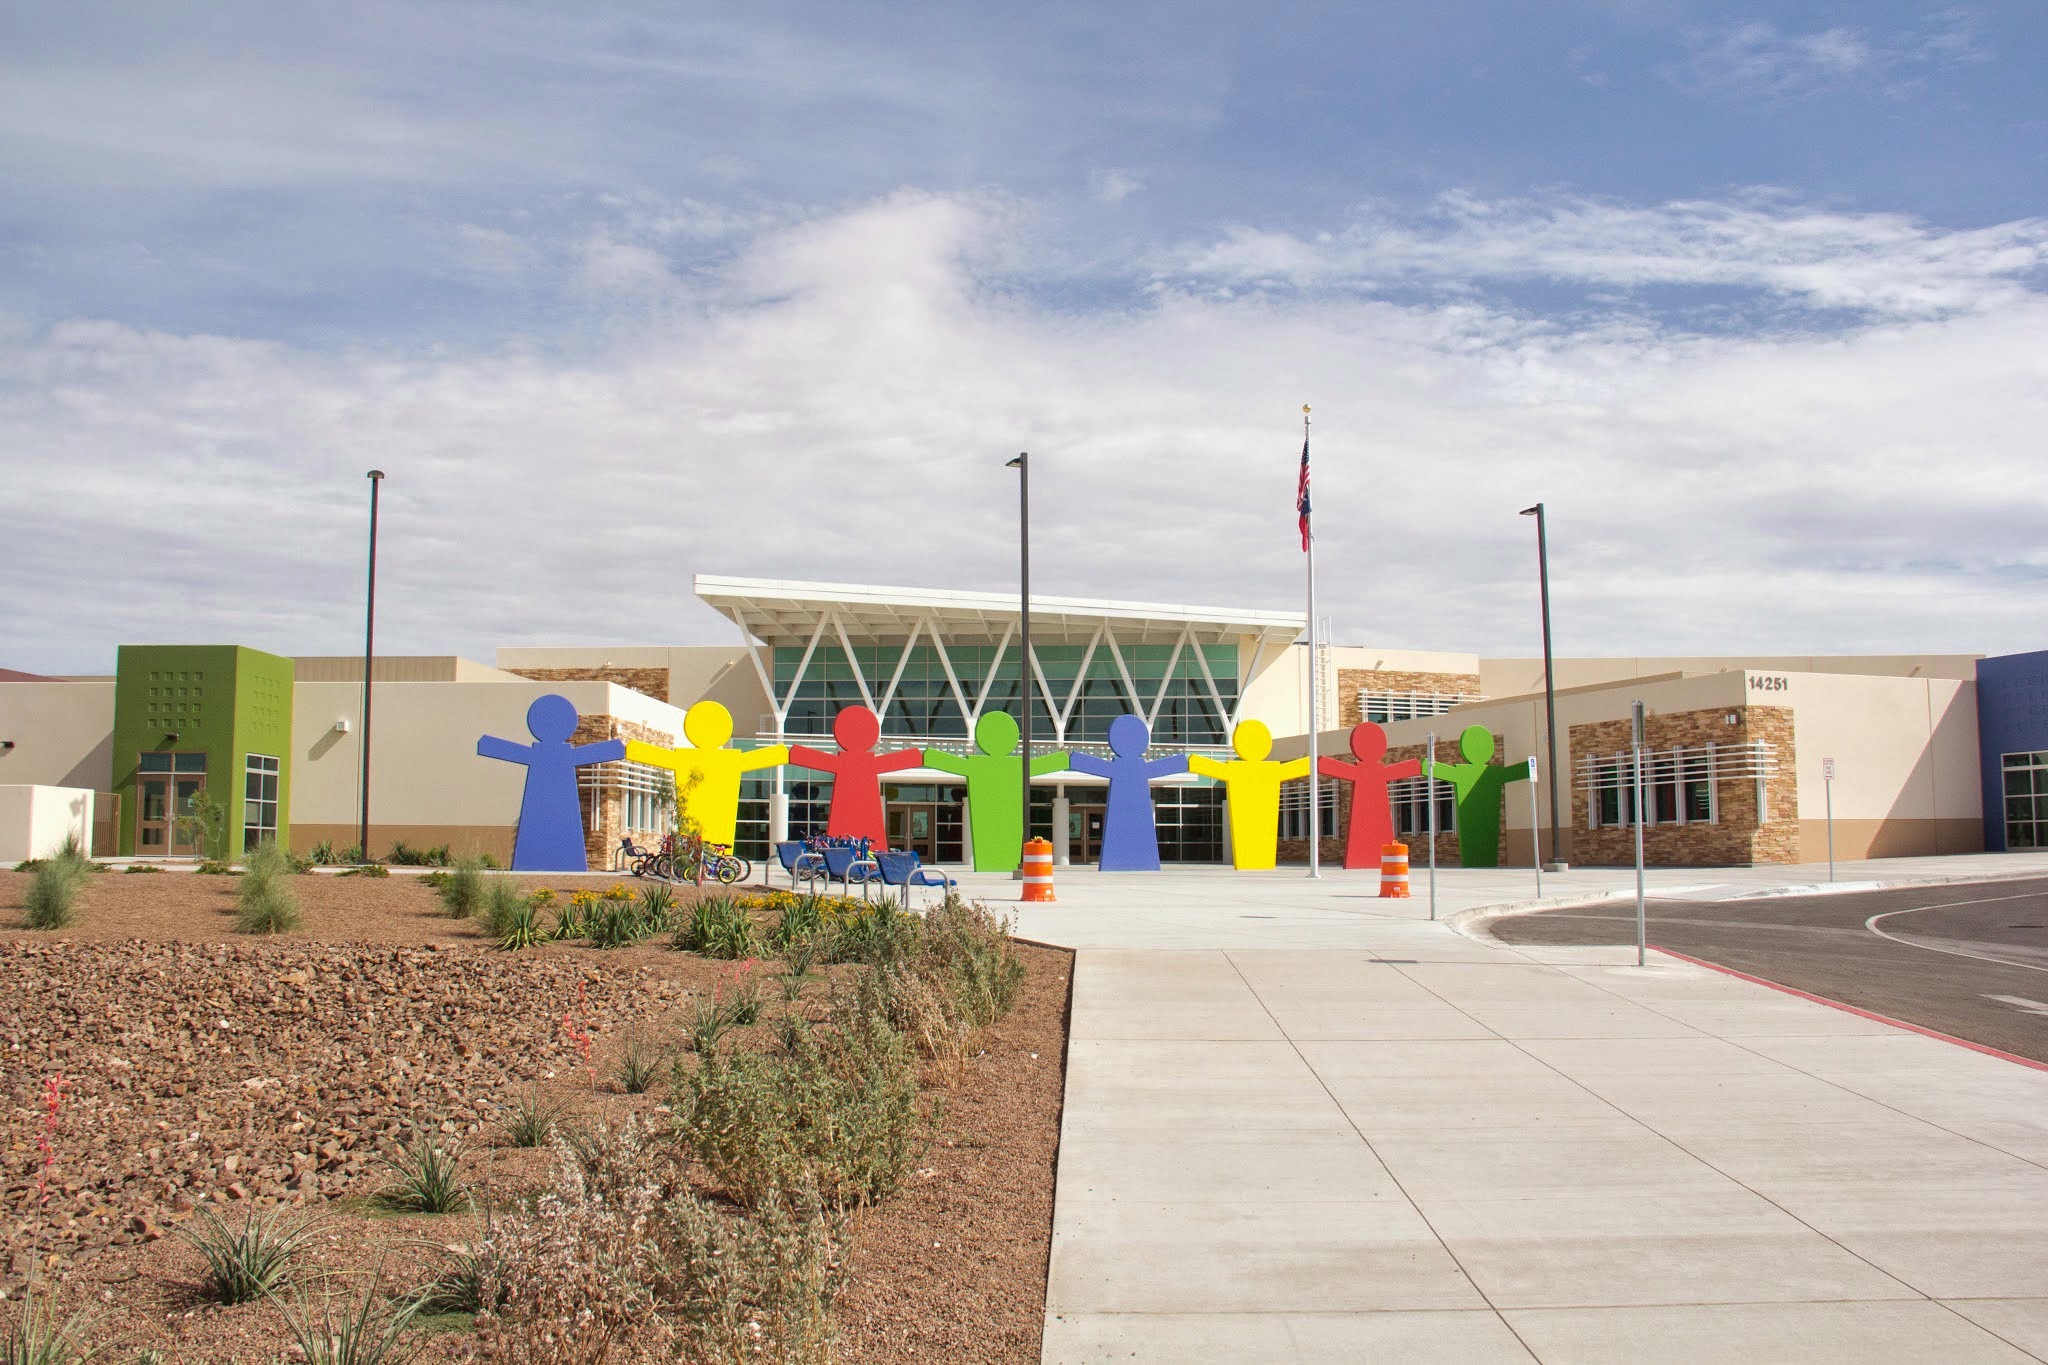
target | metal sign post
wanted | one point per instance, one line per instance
(1429, 794)
(1535, 831)
(1827, 783)
(1642, 916)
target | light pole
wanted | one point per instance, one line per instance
(1022, 464)
(376, 477)
(1557, 863)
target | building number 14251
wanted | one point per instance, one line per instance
(1760, 683)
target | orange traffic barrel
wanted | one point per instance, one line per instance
(1393, 870)
(1038, 870)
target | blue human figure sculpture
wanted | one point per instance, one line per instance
(1130, 835)
(550, 814)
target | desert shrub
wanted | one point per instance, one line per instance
(405, 855)
(874, 934)
(618, 1258)
(134, 868)
(720, 927)
(459, 1288)
(368, 870)
(488, 862)
(462, 888)
(324, 855)
(712, 1019)
(37, 1338)
(501, 899)
(249, 1263)
(58, 880)
(529, 1120)
(367, 1332)
(215, 867)
(263, 903)
(426, 1179)
(918, 1009)
(967, 949)
(300, 864)
(802, 920)
(838, 1107)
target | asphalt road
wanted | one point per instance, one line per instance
(1968, 959)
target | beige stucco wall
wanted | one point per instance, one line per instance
(424, 768)
(35, 821)
(720, 673)
(1512, 677)
(63, 734)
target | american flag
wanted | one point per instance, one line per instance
(1301, 493)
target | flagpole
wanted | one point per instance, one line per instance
(1315, 682)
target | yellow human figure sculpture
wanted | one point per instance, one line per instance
(714, 800)
(1252, 783)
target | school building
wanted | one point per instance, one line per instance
(1737, 747)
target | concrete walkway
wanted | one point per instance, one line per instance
(1335, 1133)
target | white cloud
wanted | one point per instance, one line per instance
(1879, 263)
(838, 402)
(1756, 59)
(1113, 186)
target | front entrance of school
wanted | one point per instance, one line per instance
(1084, 832)
(928, 821)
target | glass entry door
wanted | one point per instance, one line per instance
(915, 828)
(166, 816)
(1084, 833)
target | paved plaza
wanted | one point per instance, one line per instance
(1304, 1124)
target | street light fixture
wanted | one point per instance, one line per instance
(1556, 863)
(1022, 464)
(376, 477)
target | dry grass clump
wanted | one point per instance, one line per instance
(264, 903)
(58, 880)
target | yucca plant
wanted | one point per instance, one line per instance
(616, 924)
(520, 927)
(466, 1270)
(427, 1178)
(248, 1263)
(719, 927)
(638, 1066)
(37, 1338)
(366, 1333)
(529, 1120)
(657, 905)
(501, 903)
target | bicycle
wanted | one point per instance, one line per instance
(718, 861)
(657, 862)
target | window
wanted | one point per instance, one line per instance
(2026, 800)
(1294, 809)
(1678, 784)
(259, 800)
(1409, 800)
(1381, 707)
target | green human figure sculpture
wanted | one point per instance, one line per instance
(994, 796)
(1478, 782)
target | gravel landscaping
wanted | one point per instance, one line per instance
(160, 1064)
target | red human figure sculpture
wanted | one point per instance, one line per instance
(856, 774)
(1372, 820)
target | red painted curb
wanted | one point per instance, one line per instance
(1851, 1009)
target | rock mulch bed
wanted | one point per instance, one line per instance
(260, 1073)
(205, 1068)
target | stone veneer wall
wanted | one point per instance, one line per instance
(602, 835)
(1350, 681)
(1736, 838)
(648, 682)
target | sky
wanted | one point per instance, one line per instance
(1753, 297)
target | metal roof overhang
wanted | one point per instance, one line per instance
(784, 613)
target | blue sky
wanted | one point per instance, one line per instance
(1752, 295)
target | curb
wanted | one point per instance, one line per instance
(1473, 919)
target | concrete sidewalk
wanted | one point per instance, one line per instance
(1344, 1135)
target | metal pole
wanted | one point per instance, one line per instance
(1429, 794)
(1642, 918)
(1535, 832)
(1828, 787)
(376, 477)
(1315, 781)
(1549, 672)
(1022, 464)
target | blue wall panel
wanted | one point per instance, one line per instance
(2012, 717)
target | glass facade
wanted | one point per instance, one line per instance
(923, 705)
(259, 800)
(2026, 800)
